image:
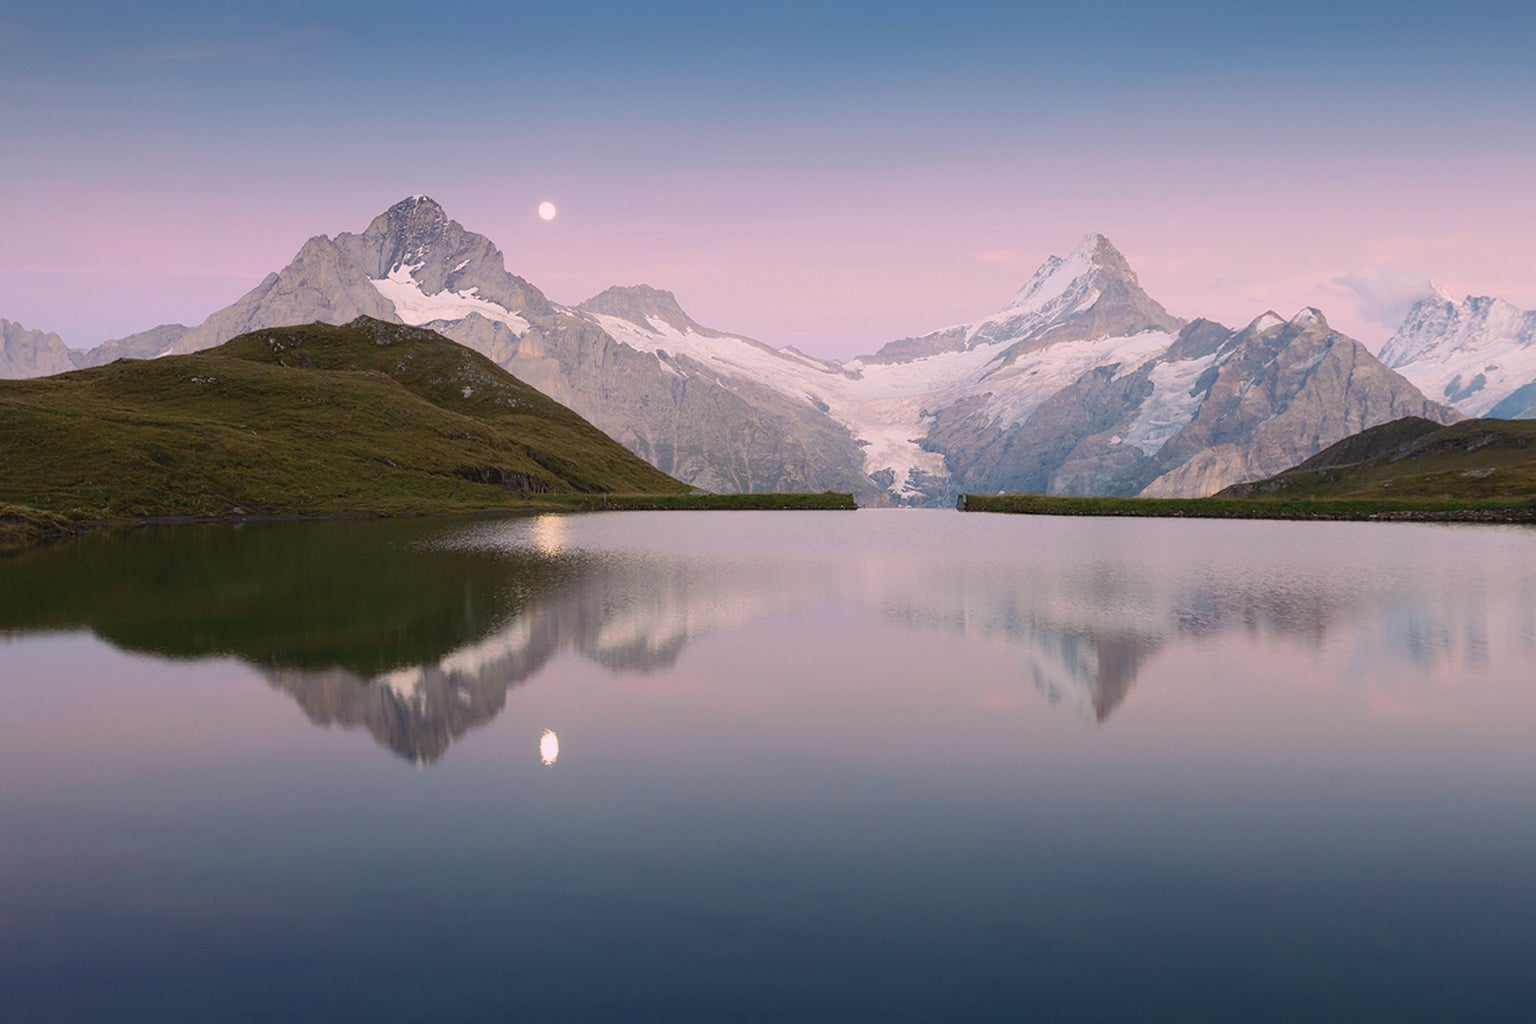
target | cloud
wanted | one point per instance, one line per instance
(1384, 294)
(998, 256)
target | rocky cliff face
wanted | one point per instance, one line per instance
(25, 353)
(1284, 393)
(1080, 384)
(414, 265)
(1092, 293)
(716, 430)
(1217, 406)
(1478, 355)
(726, 412)
(156, 341)
(643, 306)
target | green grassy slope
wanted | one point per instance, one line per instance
(1475, 470)
(1474, 462)
(366, 418)
(1371, 442)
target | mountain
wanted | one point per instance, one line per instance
(1478, 354)
(1091, 294)
(1470, 461)
(370, 416)
(1366, 445)
(150, 344)
(1080, 383)
(1213, 407)
(941, 411)
(1280, 393)
(25, 353)
(416, 266)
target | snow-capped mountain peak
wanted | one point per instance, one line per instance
(430, 269)
(1309, 316)
(1265, 321)
(1479, 354)
(1073, 282)
(641, 304)
(413, 229)
(1082, 383)
(1089, 295)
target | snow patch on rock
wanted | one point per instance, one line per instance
(1172, 405)
(1472, 354)
(888, 407)
(413, 306)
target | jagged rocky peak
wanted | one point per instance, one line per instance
(1266, 321)
(1278, 330)
(1426, 324)
(415, 232)
(29, 353)
(1073, 277)
(1090, 294)
(1309, 316)
(1093, 293)
(419, 216)
(415, 246)
(1200, 338)
(1438, 323)
(1479, 353)
(640, 304)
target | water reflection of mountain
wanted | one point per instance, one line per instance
(374, 623)
(416, 630)
(322, 607)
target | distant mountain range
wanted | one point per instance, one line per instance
(1478, 354)
(1080, 384)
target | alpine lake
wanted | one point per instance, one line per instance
(755, 766)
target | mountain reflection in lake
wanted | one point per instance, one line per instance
(416, 630)
(893, 765)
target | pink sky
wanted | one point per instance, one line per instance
(833, 272)
(834, 189)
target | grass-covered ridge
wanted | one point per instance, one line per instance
(369, 418)
(1476, 462)
(1472, 471)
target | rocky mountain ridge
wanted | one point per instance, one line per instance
(1478, 354)
(1080, 383)
(1091, 293)
(29, 353)
(1473, 462)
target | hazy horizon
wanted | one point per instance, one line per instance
(827, 176)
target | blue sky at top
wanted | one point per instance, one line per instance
(784, 129)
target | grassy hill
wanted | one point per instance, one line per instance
(1474, 462)
(1474, 471)
(367, 418)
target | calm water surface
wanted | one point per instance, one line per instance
(757, 766)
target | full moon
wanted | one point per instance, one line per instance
(547, 210)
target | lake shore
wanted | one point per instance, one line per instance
(1324, 510)
(22, 526)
